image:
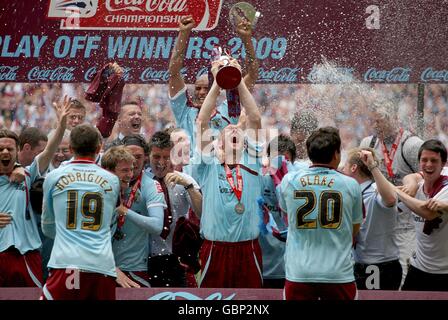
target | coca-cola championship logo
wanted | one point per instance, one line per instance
(134, 14)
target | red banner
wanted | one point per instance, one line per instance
(388, 41)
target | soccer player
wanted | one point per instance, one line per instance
(324, 210)
(79, 210)
(272, 243)
(32, 141)
(428, 269)
(142, 208)
(376, 243)
(181, 193)
(397, 151)
(231, 183)
(20, 260)
(186, 108)
(77, 115)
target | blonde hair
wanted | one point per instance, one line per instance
(354, 158)
(113, 155)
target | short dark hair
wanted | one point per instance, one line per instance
(32, 136)
(161, 140)
(131, 140)
(435, 146)
(136, 140)
(282, 143)
(322, 144)
(85, 139)
(5, 133)
(75, 103)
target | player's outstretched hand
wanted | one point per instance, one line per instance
(173, 178)
(17, 175)
(124, 281)
(244, 29)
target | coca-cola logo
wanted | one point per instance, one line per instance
(429, 74)
(150, 74)
(147, 5)
(331, 75)
(64, 74)
(8, 73)
(398, 74)
(282, 75)
(90, 73)
(135, 14)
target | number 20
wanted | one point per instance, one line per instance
(328, 201)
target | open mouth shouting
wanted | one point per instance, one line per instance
(5, 162)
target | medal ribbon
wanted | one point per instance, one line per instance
(130, 200)
(238, 189)
(389, 155)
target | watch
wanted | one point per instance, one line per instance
(191, 185)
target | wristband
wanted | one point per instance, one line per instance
(17, 165)
(375, 165)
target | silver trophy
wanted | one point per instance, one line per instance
(243, 11)
(228, 76)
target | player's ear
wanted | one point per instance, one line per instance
(353, 168)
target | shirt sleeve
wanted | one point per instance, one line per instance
(47, 219)
(281, 192)
(152, 224)
(357, 215)
(179, 106)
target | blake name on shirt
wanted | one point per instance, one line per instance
(66, 180)
(316, 181)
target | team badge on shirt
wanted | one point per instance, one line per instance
(158, 187)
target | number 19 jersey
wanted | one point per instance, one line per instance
(322, 206)
(80, 199)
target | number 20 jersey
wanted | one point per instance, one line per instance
(80, 198)
(322, 206)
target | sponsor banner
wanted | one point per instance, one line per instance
(381, 41)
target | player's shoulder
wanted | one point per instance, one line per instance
(346, 179)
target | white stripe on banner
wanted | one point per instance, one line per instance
(203, 273)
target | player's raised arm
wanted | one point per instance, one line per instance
(244, 30)
(207, 108)
(176, 82)
(45, 157)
